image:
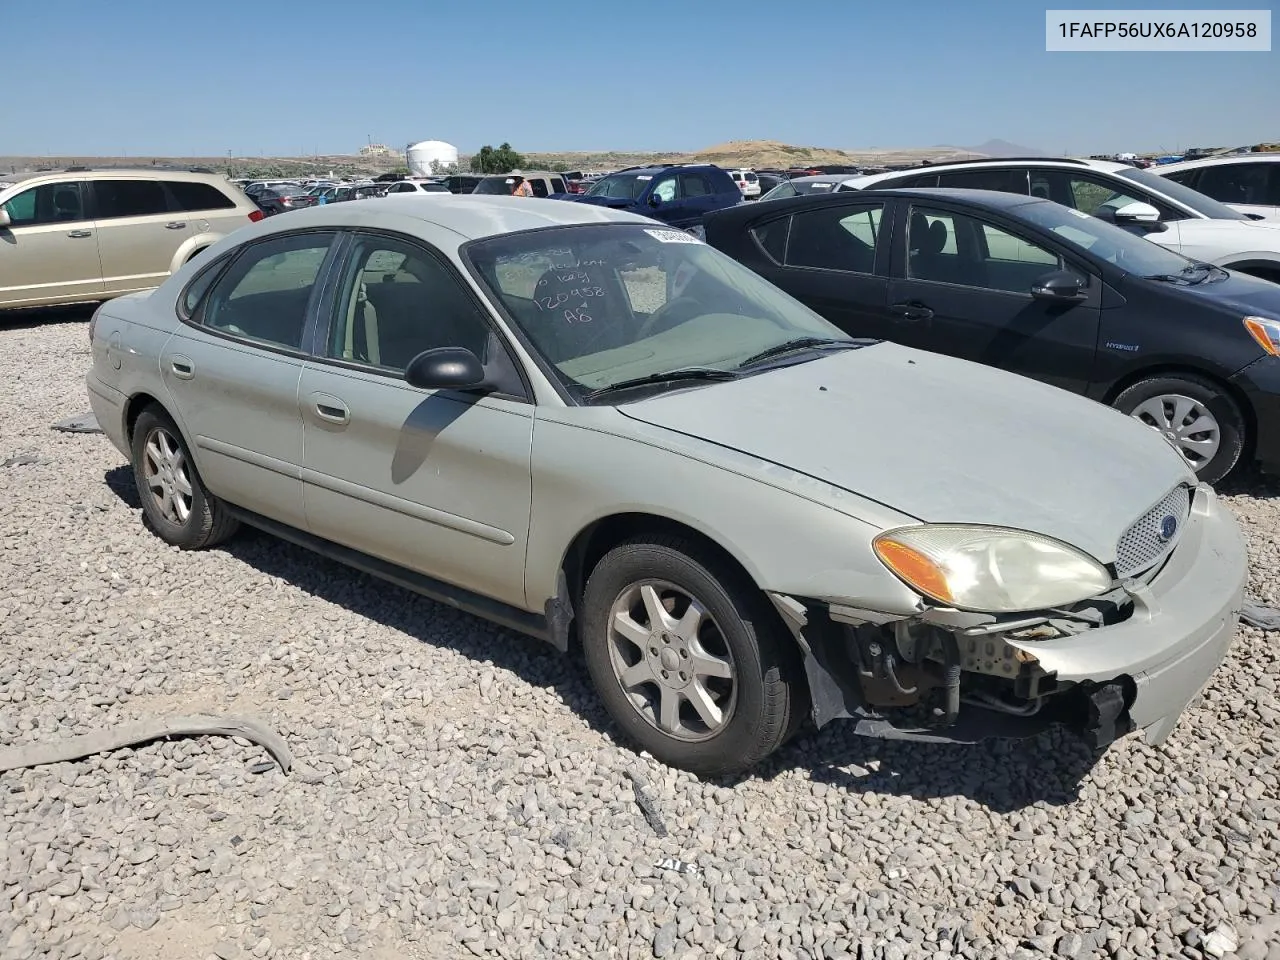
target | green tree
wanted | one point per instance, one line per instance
(496, 160)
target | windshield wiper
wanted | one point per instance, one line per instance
(668, 376)
(800, 344)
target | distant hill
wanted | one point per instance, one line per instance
(1003, 148)
(745, 153)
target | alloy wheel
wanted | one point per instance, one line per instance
(164, 467)
(671, 660)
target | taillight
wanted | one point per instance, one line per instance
(255, 216)
(93, 322)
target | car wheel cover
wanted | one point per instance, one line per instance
(164, 468)
(1186, 423)
(671, 660)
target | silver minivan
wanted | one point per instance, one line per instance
(89, 235)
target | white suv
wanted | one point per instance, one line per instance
(1163, 210)
(1248, 182)
(417, 185)
(747, 182)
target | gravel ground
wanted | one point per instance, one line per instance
(475, 803)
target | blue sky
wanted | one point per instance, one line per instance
(286, 77)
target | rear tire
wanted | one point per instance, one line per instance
(712, 683)
(175, 503)
(1199, 416)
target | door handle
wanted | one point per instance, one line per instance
(911, 311)
(182, 368)
(80, 234)
(331, 409)
(175, 225)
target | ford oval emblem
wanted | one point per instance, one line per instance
(1168, 527)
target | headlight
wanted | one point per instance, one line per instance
(1266, 332)
(991, 569)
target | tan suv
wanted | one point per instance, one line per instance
(87, 235)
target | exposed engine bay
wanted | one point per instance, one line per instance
(947, 675)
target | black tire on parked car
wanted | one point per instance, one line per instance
(175, 503)
(1202, 419)
(713, 683)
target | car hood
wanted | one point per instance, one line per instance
(1239, 294)
(1236, 237)
(941, 440)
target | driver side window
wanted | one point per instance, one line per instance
(666, 190)
(398, 300)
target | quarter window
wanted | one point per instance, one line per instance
(47, 203)
(264, 294)
(192, 195)
(1252, 183)
(129, 198)
(398, 300)
(835, 238)
(772, 237)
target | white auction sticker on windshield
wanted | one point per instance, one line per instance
(672, 236)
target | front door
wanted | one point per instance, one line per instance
(49, 250)
(233, 372)
(137, 232)
(962, 286)
(436, 481)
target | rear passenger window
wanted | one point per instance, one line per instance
(263, 296)
(772, 237)
(557, 185)
(835, 238)
(1004, 181)
(192, 195)
(129, 198)
(539, 186)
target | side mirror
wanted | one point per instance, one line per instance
(445, 368)
(1137, 212)
(5, 219)
(655, 200)
(1060, 285)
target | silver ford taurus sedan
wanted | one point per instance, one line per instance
(598, 430)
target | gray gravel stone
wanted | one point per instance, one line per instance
(472, 794)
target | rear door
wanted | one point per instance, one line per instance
(834, 259)
(961, 286)
(207, 207)
(49, 250)
(138, 234)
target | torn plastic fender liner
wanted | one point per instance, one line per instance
(834, 688)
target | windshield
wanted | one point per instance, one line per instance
(498, 185)
(1197, 201)
(782, 190)
(1114, 244)
(620, 186)
(433, 187)
(614, 302)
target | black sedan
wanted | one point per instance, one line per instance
(273, 200)
(1039, 289)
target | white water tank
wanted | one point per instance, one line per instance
(420, 156)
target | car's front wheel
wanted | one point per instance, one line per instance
(1202, 421)
(688, 658)
(176, 505)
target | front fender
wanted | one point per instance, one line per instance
(792, 534)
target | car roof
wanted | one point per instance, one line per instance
(1105, 166)
(110, 173)
(823, 178)
(1217, 161)
(987, 199)
(470, 216)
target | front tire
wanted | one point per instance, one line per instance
(1199, 417)
(175, 503)
(688, 658)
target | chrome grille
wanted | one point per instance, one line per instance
(1144, 543)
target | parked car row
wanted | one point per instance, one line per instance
(613, 436)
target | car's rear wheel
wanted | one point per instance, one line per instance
(688, 658)
(1201, 420)
(174, 501)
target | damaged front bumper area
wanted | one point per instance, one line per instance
(1131, 659)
